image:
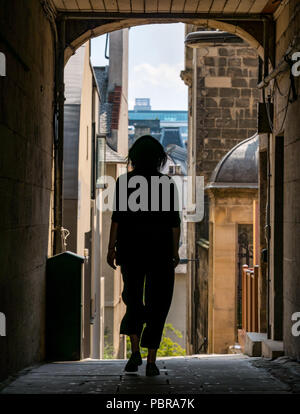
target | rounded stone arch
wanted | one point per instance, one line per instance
(127, 23)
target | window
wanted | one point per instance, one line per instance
(100, 160)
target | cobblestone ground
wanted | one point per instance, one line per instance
(197, 374)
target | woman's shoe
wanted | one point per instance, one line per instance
(134, 361)
(151, 369)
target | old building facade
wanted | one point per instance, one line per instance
(221, 73)
(95, 119)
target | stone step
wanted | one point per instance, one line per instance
(272, 349)
(253, 341)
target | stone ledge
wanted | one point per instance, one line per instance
(272, 349)
(253, 343)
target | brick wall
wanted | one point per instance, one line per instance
(114, 98)
(226, 101)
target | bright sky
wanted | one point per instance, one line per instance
(156, 57)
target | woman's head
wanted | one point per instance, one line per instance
(147, 154)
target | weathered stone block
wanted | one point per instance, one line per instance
(209, 122)
(226, 113)
(222, 71)
(246, 52)
(210, 102)
(251, 132)
(253, 341)
(218, 81)
(230, 92)
(250, 61)
(224, 51)
(209, 165)
(245, 92)
(272, 349)
(213, 112)
(209, 61)
(253, 83)
(247, 123)
(242, 103)
(213, 132)
(207, 155)
(234, 62)
(256, 93)
(226, 123)
(215, 143)
(234, 133)
(219, 154)
(251, 113)
(222, 61)
(226, 102)
(240, 82)
(234, 72)
(212, 92)
(253, 72)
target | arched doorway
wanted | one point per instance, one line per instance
(130, 23)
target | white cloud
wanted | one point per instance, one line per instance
(163, 75)
(161, 83)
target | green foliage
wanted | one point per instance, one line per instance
(108, 352)
(167, 346)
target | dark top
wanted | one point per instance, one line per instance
(145, 235)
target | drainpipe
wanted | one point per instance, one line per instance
(59, 142)
(267, 226)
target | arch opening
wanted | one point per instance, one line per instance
(102, 29)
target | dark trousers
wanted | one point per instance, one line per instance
(153, 311)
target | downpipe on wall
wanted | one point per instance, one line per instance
(59, 141)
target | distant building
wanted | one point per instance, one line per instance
(171, 136)
(164, 119)
(95, 125)
(79, 208)
(177, 160)
(142, 104)
(113, 85)
(223, 99)
(233, 192)
(176, 165)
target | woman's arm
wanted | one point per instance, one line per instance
(111, 253)
(176, 238)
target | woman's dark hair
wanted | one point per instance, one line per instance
(147, 154)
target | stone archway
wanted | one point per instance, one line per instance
(74, 31)
(253, 34)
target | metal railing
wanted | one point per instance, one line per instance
(250, 298)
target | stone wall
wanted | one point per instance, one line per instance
(228, 208)
(223, 103)
(287, 125)
(26, 120)
(227, 98)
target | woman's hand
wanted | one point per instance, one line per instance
(111, 253)
(111, 257)
(176, 237)
(176, 260)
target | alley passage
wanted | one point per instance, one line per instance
(197, 374)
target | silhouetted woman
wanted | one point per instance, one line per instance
(144, 241)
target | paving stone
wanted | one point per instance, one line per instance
(197, 374)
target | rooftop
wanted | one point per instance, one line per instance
(239, 167)
(162, 115)
(112, 156)
(211, 36)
